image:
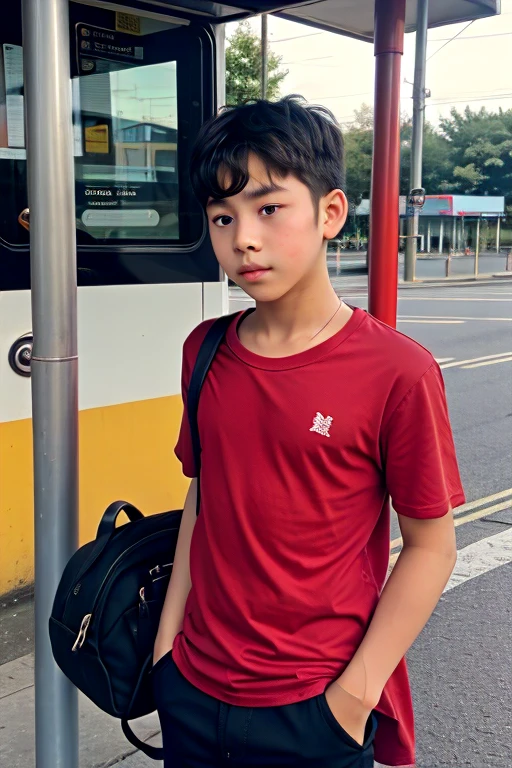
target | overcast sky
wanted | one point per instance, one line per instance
(474, 69)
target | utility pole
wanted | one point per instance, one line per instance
(418, 122)
(54, 364)
(264, 55)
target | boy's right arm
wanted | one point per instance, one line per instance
(173, 611)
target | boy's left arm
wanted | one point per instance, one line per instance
(422, 478)
(407, 602)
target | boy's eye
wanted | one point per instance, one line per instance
(223, 221)
(269, 210)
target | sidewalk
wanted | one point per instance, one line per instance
(102, 742)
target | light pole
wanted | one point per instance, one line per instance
(264, 55)
(418, 122)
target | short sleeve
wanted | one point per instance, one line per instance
(183, 450)
(421, 471)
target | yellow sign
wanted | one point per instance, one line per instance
(127, 22)
(96, 140)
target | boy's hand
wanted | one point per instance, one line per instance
(160, 649)
(350, 712)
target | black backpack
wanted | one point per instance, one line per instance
(108, 603)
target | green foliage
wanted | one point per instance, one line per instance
(358, 155)
(243, 68)
(481, 151)
(470, 153)
(437, 166)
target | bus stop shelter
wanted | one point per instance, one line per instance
(53, 262)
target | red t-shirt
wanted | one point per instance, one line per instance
(289, 555)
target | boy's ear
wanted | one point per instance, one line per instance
(333, 213)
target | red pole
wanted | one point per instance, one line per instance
(383, 246)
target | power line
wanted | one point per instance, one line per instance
(296, 37)
(450, 40)
(466, 101)
(341, 96)
(313, 58)
(470, 37)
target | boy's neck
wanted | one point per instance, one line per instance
(291, 324)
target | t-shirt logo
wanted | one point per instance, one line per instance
(321, 424)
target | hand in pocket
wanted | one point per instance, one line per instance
(351, 714)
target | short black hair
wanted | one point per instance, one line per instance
(289, 136)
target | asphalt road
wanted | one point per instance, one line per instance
(460, 665)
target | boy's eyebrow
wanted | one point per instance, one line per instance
(251, 194)
(266, 189)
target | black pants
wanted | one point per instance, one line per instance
(201, 732)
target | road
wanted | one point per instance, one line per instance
(460, 665)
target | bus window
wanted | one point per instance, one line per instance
(126, 137)
(139, 98)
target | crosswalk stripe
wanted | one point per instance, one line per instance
(475, 360)
(488, 362)
(482, 556)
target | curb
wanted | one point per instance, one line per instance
(456, 281)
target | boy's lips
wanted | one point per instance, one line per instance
(253, 272)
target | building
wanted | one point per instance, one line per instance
(452, 223)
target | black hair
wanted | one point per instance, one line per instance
(289, 136)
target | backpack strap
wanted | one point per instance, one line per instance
(204, 359)
(155, 753)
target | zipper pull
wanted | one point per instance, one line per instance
(84, 626)
(143, 605)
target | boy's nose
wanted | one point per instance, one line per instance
(246, 241)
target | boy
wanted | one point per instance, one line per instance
(279, 644)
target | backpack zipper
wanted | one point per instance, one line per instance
(84, 626)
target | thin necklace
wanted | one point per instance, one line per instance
(327, 323)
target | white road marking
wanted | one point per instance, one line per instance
(475, 360)
(433, 322)
(444, 359)
(446, 298)
(481, 557)
(458, 317)
(488, 362)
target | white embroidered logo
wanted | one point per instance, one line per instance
(321, 424)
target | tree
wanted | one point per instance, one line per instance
(437, 165)
(481, 151)
(243, 68)
(358, 154)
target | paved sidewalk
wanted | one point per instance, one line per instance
(102, 742)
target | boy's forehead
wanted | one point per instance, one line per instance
(259, 175)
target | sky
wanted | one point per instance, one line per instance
(475, 68)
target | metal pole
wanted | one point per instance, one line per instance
(477, 245)
(54, 362)
(441, 235)
(264, 55)
(383, 245)
(418, 122)
(498, 234)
